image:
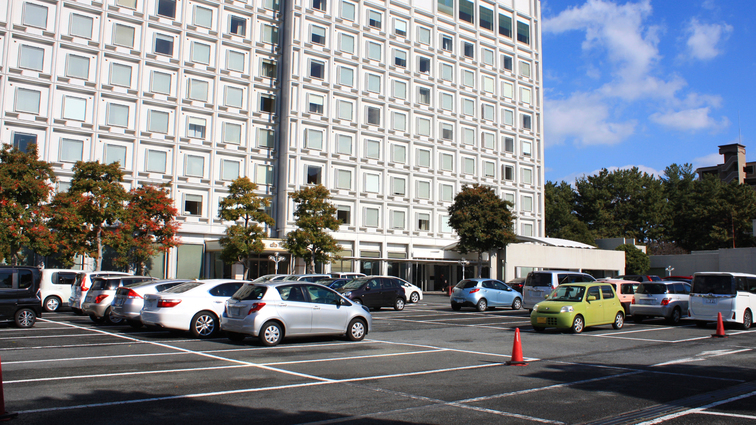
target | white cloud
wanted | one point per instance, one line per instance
(704, 39)
(689, 120)
(585, 118)
(707, 161)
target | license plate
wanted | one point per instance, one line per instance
(458, 301)
(710, 300)
(646, 302)
(540, 320)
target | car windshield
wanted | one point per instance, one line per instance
(651, 289)
(183, 287)
(466, 284)
(713, 284)
(249, 292)
(538, 279)
(567, 293)
(355, 284)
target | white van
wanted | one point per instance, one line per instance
(540, 283)
(732, 294)
(55, 287)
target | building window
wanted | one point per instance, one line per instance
(319, 5)
(489, 84)
(507, 90)
(508, 117)
(374, 51)
(423, 158)
(400, 89)
(35, 15)
(489, 169)
(488, 112)
(424, 95)
(317, 69)
(317, 35)
(489, 139)
(313, 174)
(266, 138)
(524, 95)
(375, 19)
(399, 154)
(200, 53)
(400, 58)
(423, 221)
(192, 204)
(166, 8)
(343, 214)
(161, 82)
(232, 133)
(348, 10)
(447, 101)
(118, 115)
(344, 179)
(400, 28)
(468, 50)
(486, 18)
(447, 72)
(508, 172)
(467, 11)
(527, 229)
(31, 57)
(399, 121)
(423, 189)
(71, 150)
(123, 35)
(372, 216)
(423, 126)
(238, 26)
(80, 26)
(115, 153)
(523, 32)
(131, 4)
(444, 226)
(234, 97)
(527, 176)
(446, 43)
(446, 7)
(345, 110)
(374, 83)
(505, 25)
(525, 69)
(398, 186)
(314, 139)
(506, 62)
(372, 183)
(229, 170)
(267, 103)
(271, 4)
(268, 68)
(195, 127)
(198, 89)
(488, 57)
(346, 76)
(526, 148)
(156, 161)
(397, 220)
(424, 35)
(163, 45)
(264, 174)
(346, 43)
(315, 103)
(508, 144)
(468, 107)
(203, 17)
(120, 75)
(468, 136)
(74, 108)
(235, 61)
(526, 203)
(447, 193)
(468, 165)
(344, 144)
(424, 65)
(468, 78)
(527, 122)
(447, 131)
(373, 149)
(269, 34)
(195, 166)
(447, 162)
(373, 115)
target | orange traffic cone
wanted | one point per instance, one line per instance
(720, 328)
(4, 416)
(517, 359)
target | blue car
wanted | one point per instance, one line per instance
(483, 293)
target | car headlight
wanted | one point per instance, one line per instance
(567, 309)
(535, 307)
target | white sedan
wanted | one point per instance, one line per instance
(412, 292)
(193, 306)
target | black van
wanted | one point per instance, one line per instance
(19, 295)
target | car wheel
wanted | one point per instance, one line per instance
(236, 336)
(357, 301)
(25, 318)
(637, 318)
(456, 307)
(578, 324)
(482, 305)
(356, 330)
(52, 303)
(414, 298)
(136, 324)
(516, 304)
(399, 304)
(747, 320)
(97, 320)
(271, 334)
(619, 320)
(538, 329)
(110, 319)
(675, 317)
(204, 324)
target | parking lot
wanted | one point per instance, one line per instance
(426, 364)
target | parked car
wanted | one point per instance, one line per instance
(538, 284)
(661, 298)
(129, 299)
(517, 284)
(194, 306)
(19, 300)
(81, 286)
(55, 287)
(333, 282)
(731, 294)
(267, 277)
(625, 290)
(574, 306)
(640, 277)
(484, 293)
(347, 275)
(305, 277)
(686, 279)
(98, 302)
(376, 291)
(271, 311)
(412, 293)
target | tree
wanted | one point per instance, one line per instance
(243, 239)
(149, 227)
(559, 212)
(678, 183)
(26, 184)
(482, 220)
(636, 261)
(314, 215)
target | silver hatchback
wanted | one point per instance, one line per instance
(272, 310)
(129, 299)
(661, 298)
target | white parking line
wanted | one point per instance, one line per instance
(45, 336)
(697, 410)
(730, 415)
(72, 359)
(458, 324)
(529, 359)
(703, 356)
(131, 373)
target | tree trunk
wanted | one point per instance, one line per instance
(98, 261)
(480, 264)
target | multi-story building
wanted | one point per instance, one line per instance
(392, 105)
(734, 167)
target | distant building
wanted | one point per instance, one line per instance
(735, 166)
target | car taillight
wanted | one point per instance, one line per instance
(665, 301)
(255, 308)
(84, 288)
(131, 294)
(472, 291)
(633, 301)
(167, 303)
(100, 298)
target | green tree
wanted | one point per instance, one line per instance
(314, 215)
(243, 239)
(149, 227)
(26, 184)
(482, 220)
(561, 221)
(678, 183)
(68, 226)
(636, 261)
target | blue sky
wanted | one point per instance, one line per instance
(646, 83)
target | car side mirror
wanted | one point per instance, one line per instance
(592, 298)
(367, 288)
(546, 296)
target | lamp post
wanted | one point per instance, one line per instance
(276, 259)
(669, 270)
(463, 262)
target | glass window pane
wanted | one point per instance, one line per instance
(158, 121)
(372, 183)
(163, 44)
(196, 127)
(200, 53)
(77, 66)
(120, 75)
(523, 32)
(203, 17)
(35, 15)
(161, 82)
(198, 90)
(505, 25)
(344, 144)
(373, 149)
(345, 110)
(81, 26)
(30, 57)
(344, 179)
(74, 108)
(347, 43)
(27, 100)
(234, 97)
(264, 174)
(371, 217)
(235, 61)
(71, 150)
(118, 115)
(195, 165)
(232, 133)
(123, 35)
(314, 139)
(446, 7)
(423, 190)
(346, 76)
(115, 153)
(166, 8)
(266, 138)
(423, 158)
(156, 161)
(347, 10)
(230, 170)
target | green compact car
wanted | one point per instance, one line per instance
(577, 305)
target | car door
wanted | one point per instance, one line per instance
(505, 295)
(295, 309)
(372, 293)
(391, 289)
(8, 295)
(221, 293)
(608, 299)
(594, 309)
(328, 315)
